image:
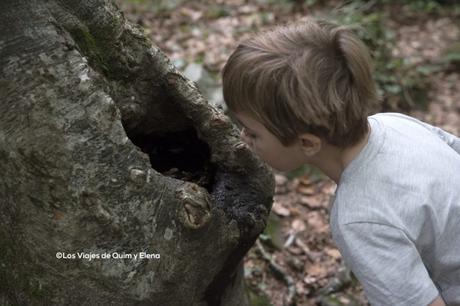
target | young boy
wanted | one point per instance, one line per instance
(303, 93)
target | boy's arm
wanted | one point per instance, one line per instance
(438, 302)
(387, 264)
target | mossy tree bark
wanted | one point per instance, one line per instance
(106, 148)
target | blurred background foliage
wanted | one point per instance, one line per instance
(402, 84)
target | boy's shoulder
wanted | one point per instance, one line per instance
(376, 202)
(403, 162)
(395, 211)
(399, 147)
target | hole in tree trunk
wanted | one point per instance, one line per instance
(181, 155)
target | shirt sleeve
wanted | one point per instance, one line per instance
(386, 263)
(452, 140)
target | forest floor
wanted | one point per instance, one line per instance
(295, 259)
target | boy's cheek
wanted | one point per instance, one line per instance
(261, 154)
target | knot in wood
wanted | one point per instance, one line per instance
(194, 212)
(241, 147)
(220, 121)
(137, 176)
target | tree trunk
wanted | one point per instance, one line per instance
(105, 148)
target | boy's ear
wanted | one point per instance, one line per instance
(310, 143)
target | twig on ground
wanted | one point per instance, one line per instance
(306, 250)
(279, 273)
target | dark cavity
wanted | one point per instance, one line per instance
(181, 155)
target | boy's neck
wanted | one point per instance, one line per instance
(332, 160)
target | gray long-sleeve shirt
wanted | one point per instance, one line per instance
(396, 213)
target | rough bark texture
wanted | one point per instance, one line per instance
(93, 118)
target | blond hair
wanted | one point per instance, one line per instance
(313, 76)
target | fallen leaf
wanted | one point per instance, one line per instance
(329, 188)
(305, 180)
(344, 300)
(309, 280)
(316, 221)
(281, 189)
(301, 289)
(315, 270)
(312, 202)
(295, 212)
(280, 179)
(307, 190)
(295, 250)
(280, 210)
(334, 253)
(298, 225)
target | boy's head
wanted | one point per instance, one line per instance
(310, 77)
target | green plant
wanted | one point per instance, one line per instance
(428, 6)
(451, 55)
(306, 170)
(401, 84)
(256, 299)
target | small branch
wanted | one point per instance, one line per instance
(341, 280)
(305, 249)
(279, 273)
